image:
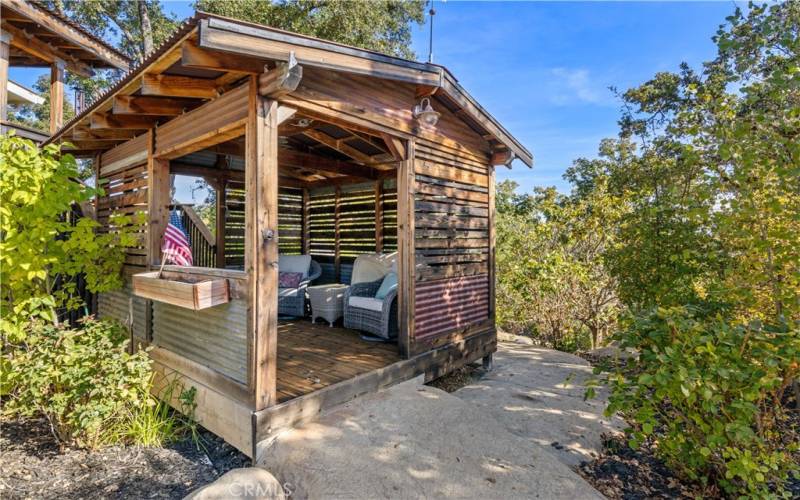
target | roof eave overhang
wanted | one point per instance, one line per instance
(213, 32)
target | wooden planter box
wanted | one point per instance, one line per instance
(191, 292)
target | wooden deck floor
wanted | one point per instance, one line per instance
(311, 357)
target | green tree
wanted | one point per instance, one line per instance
(41, 251)
(380, 25)
(708, 254)
(138, 26)
(552, 283)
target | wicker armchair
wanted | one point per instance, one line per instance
(382, 323)
(292, 301)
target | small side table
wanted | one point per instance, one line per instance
(327, 301)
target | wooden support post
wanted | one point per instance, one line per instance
(405, 244)
(96, 167)
(5, 40)
(57, 78)
(261, 243)
(158, 201)
(222, 212)
(492, 244)
(379, 216)
(337, 257)
(306, 223)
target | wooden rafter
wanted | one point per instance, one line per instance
(100, 134)
(323, 165)
(25, 11)
(132, 122)
(178, 86)
(38, 48)
(149, 105)
(339, 145)
(193, 56)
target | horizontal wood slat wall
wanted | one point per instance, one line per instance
(125, 193)
(452, 240)
(342, 226)
(290, 221)
(234, 225)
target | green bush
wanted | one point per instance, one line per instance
(87, 385)
(710, 394)
(41, 252)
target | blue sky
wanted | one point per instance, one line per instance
(543, 68)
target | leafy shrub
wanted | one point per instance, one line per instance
(87, 385)
(41, 252)
(710, 392)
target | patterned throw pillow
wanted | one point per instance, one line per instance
(289, 280)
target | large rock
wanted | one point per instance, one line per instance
(537, 394)
(251, 483)
(413, 441)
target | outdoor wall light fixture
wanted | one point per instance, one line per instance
(425, 114)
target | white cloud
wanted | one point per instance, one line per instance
(580, 85)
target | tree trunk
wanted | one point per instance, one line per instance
(147, 29)
(594, 331)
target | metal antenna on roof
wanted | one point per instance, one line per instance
(432, 13)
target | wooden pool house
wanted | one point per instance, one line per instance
(347, 184)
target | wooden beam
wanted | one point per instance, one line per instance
(130, 122)
(158, 201)
(57, 78)
(279, 81)
(395, 145)
(222, 211)
(98, 144)
(339, 145)
(193, 56)
(261, 243)
(297, 159)
(181, 168)
(504, 157)
(425, 91)
(147, 105)
(68, 33)
(5, 40)
(178, 86)
(87, 134)
(30, 44)
(406, 184)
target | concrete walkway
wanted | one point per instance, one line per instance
(414, 441)
(537, 395)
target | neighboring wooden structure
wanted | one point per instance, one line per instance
(32, 36)
(311, 147)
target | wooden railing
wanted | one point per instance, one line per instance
(204, 245)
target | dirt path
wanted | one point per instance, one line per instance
(414, 441)
(537, 394)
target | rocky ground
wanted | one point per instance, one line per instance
(33, 466)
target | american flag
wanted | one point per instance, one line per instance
(176, 244)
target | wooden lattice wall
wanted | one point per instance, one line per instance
(343, 225)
